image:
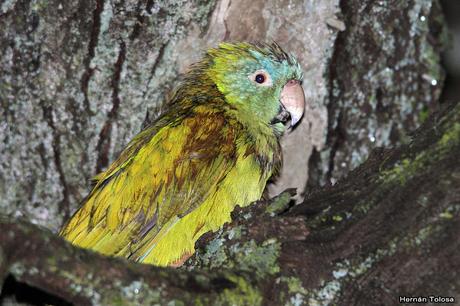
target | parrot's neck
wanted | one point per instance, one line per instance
(198, 90)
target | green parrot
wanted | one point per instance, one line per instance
(214, 147)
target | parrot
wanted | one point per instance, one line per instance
(214, 147)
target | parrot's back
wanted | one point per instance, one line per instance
(175, 181)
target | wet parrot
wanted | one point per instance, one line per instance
(214, 147)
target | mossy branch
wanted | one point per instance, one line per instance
(36, 257)
(390, 228)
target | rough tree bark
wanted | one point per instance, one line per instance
(76, 80)
(384, 79)
(389, 229)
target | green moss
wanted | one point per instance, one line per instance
(400, 172)
(422, 235)
(408, 167)
(279, 203)
(363, 266)
(363, 207)
(424, 114)
(260, 259)
(234, 233)
(450, 212)
(39, 5)
(337, 218)
(446, 215)
(296, 292)
(294, 285)
(244, 294)
(200, 302)
(175, 303)
(451, 137)
(214, 255)
(319, 219)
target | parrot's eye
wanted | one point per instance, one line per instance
(261, 78)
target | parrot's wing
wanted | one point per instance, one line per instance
(164, 173)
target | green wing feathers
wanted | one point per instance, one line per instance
(169, 186)
(214, 148)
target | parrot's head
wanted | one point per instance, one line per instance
(260, 79)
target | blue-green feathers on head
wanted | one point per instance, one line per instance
(233, 68)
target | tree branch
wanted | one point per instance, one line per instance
(389, 229)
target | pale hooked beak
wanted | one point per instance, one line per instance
(293, 100)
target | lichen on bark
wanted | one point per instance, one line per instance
(77, 78)
(385, 76)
